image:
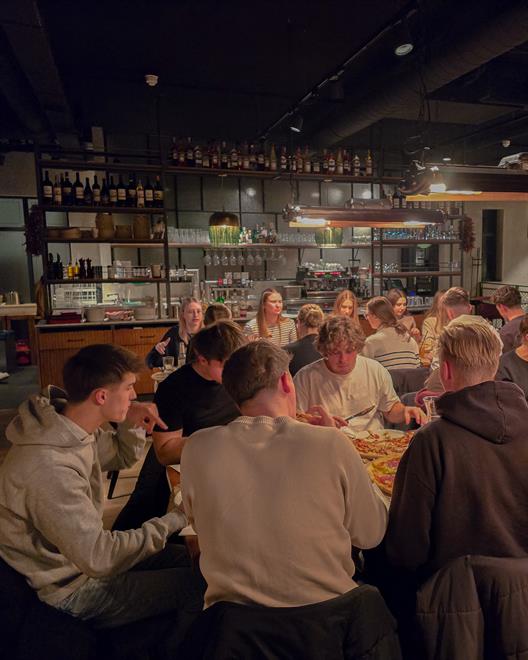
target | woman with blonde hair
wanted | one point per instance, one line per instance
(176, 341)
(346, 304)
(391, 344)
(303, 351)
(269, 322)
(432, 325)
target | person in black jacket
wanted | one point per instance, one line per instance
(303, 351)
(176, 341)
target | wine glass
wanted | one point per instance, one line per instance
(216, 259)
(225, 260)
(207, 261)
(233, 259)
(258, 259)
(240, 258)
(250, 260)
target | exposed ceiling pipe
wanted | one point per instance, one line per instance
(497, 37)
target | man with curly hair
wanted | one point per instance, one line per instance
(350, 385)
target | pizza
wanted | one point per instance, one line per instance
(307, 418)
(383, 470)
(374, 445)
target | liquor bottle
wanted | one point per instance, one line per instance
(149, 193)
(368, 164)
(82, 269)
(198, 159)
(78, 190)
(131, 197)
(89, 270)
(331, 163)
(140, 193)
(252, 157)
(299, 159)
(189, 154)
(325, 161)
(273, 159)
(215, 156)
(396, 199)
(59, 268)
(339, 162)
(261, 158)
(50, 268)
(206, 159)
(346, 162)
(244, 156)
(88, 196)
(283, 159)
(67, 197)
(158, 193)
(96, 192)
(173, 153)
(112, 193)
(292, 163)
(224, 156)
(76, 269)
(233, 158)
(307, 161)
(47, 189)
(356, 166)
(105, 195)
(181, 154)
(316, 164)
(121, 192)
(57, 192)
(70, 269)
(403, 202)
(266, 162)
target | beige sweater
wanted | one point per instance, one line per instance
(276, 527)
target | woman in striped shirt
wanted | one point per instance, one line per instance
(269, 322)
(391, 344)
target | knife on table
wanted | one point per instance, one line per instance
(360, 414)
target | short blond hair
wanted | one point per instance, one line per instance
(311, 316)
(337, 331)
(471, 348)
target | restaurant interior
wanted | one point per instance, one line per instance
(166, 165)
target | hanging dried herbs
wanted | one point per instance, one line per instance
(35, 233)
(468, 233)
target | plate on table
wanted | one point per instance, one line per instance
(375, 444)
(383, 470)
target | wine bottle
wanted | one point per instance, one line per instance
(78, 190)
(112, 192)
(261, 158)
(140, 195)
(356, 165)
(307, 161)
(57, 192)
(88, 196)
(198, 160)
(131, 196)
(189, 153)
(340, 169)
(121, 192)
(67, 197)
(368, 164)
(105, 195)
(47, 189)
(224, 156)
(181, 154)
(283, 159)
(273, 159)
(158, 193)
(59, 268)
(96, 192)
(50, 268)
(149, 190)
(316, 165)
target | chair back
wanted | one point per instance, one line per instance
(408, 380)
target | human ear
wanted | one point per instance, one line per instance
(100, 396)
(286, 382)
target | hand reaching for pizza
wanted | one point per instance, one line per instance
(413, 412)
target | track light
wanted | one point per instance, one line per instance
(296, 124)
(403, 41)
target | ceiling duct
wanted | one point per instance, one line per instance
(497, 37)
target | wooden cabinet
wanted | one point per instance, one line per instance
(56, 347)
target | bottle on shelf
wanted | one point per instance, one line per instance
(198, 158)
(300, 160)
(140, 194)
(173, 153)
(273, 159)
(50, 268)
(59, 269)
(206, 159)
(261, 158)
(105, 195)
(252, 157)
(131, 192)
(70, 270)
(57, 192)
(47, 189)
(88, 196)
(283, 159)
(356, 166)
(78, 190)
(369, 165)
(181, 154)
(346, 162)
(233, 158)
(397, 199)
(215, 156)
(325, 161)
(224, 156)
(149, 193)
(307, 161)
(316, 164)
(403, 202)
(189, 153)
(331, 163)
(340, 169)
(96, 192)
(67, 191)
(158, 193)
(121, 192)
(76, 270)
(245, 156)
(112, 193)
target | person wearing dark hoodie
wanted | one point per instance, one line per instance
(52, 499)
(461, 487)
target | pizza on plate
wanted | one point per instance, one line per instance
(383, 470)
(373, 445)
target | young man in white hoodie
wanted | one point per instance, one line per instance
(52, 499)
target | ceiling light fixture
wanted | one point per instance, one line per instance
(438, 184)
(403, 42)
(296, 123)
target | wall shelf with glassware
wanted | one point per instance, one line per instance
(109, 280)
(419, 273)
(114, 242)
(103, 209)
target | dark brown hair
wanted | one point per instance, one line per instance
(507, 295)
(393, 295)
(217, 341)
(381, 308)
(216, 312)
(523, 326)
(97, 366)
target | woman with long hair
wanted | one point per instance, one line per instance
(391, 344)
(432, 325)
(398, 300)
(176, 341)
(346, 304)
(303, 351)
(269, 322)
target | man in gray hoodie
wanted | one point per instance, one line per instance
(52, 499)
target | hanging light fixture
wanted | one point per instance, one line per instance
(224, 226)
(437, 184)
(296, 123)
(403, 41)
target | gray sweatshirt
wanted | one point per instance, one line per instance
(52, 499)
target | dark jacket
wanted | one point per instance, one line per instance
(303, 352)
(155, 359)
(461, 487)
(354, 626)
(514, 369)
(509, 333)
(474, 608)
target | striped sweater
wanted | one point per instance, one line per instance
(280, 334)
(392, 350)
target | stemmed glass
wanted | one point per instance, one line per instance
(240, 258)
(225, 260)
(258, 259)
(207, 261)
(216, 259)
(250, 260)
(233, 259)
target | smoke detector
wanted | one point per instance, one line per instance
(151, 79)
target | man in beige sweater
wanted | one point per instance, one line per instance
(278, 528)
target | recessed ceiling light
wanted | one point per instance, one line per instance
(446, 159)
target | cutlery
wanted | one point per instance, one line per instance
(360, 414)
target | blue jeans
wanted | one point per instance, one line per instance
(162, 583)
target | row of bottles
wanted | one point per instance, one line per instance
(399, 201)
(277, 159)
(62, 192)
(82, 269)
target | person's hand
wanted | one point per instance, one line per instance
(321, 417)
(254, 336)
(415, 333)
(412, 412)
(340, 421)
(145, 416)
(161, 346)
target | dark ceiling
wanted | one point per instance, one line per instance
(232, 69)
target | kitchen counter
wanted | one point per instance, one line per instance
(43, 326)
(15, 311)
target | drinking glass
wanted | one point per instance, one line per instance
(207, 259)
(216, 259)
(240, 259)
(250, 259)
(430, 408)
(233, 259)
(224, 260)
(168, 363)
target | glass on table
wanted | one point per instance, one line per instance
(430, 408)
(168, 363)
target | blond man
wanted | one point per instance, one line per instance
(350, 385)
(461, 487)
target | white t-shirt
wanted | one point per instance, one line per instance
(368, 384)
